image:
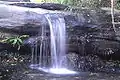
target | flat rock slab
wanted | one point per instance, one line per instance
(49, 6)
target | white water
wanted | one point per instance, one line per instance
(57, 47)
(58, 40)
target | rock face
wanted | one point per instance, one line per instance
(90, 32)
(96, 36)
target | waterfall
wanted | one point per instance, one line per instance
(58, 39)
(57, 54)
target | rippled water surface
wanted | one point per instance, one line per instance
(81, 76)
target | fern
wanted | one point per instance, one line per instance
(15, 41)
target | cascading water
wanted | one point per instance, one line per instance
(57, 47)
(58, 40)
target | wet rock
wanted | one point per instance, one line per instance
(12, 65)
(92, 63)
(104, 48)
(16, 67)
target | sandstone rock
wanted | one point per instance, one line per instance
(90, 32)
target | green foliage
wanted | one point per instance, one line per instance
(117, 6)
(77, 3)
(53, 1)
(84, 3)
(60, 1)
(16, 41)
